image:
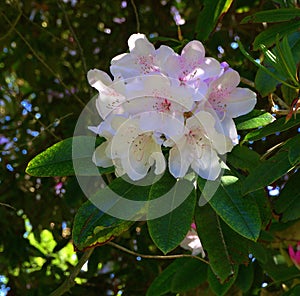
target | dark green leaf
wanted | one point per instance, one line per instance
(168, 231)
(289, 94)
(288, 203)
(212, 238)
(278, 125)
(162, 284)
(268, 37)
(57, 160)
(287, 56)
(272, 16)
(279, 165)
(241, 157)
(240, 213)
(209, 16)
(218, 288)
(245, 277)
(190, 275)
(264, 83)
(294, 150)
(254, 119)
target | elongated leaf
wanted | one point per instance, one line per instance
(57, 160)
(162, 284)
(294, 150)
(264, 83)
(240, 213)
(241, 157)
(288, 203)
(218, 288)
(279, 165)
(268, 172)
(190, 275)
(254, 119)
(289, 94)
(272, 16)
(245, 277)
(212, 239)
(268, 37)
(168, 231)
(93, 226)
(278, 125)
(288, 55)
(209, 16)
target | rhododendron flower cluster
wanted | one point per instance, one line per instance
(158, 98)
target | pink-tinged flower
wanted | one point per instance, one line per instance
(228, 101)
(198, 148)
(192, 67)
(143, 58)
(192, 243)
(295, 255)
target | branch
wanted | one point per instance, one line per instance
(69, 282)
(136, 16)
(155, 256)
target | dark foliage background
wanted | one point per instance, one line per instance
(46, 49)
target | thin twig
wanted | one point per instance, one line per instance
(40, 59)
(247, 82)
(167, 257)
(136, 16)
(60, 5)
(69, 282)
(12, 26)
(7, 205)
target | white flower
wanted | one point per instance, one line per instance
(227, 101)
(186, 102)
(192, 243)
(198, 148)
(143, 59)
(135, 150)
(192, 67)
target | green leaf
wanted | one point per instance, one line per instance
(162, 284)
(289, 94)
(294, 150)
(254, 119)
(243, 158)
(209, 16)
(278, 125)
(240, 213)
(57, 160)
(245, 277)
(264, 83)
(279, 165)
(288, 203)
(269, 171)
(211, 231)
(273, 16)
(93, 226)
(218, 288)
(287, 56)
(190, 275)
(268, 36)
(168, 231)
